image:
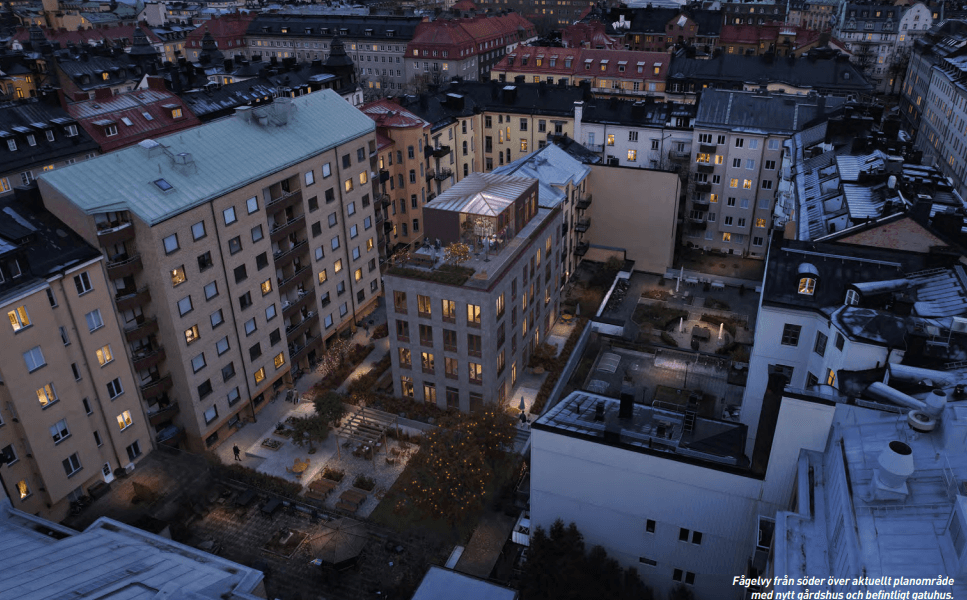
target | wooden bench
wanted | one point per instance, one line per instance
(346, 506)
(323, 485)
(315, 495)
(354, 496)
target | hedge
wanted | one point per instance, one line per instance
(714, 320)
(252, 478)
(548, 386)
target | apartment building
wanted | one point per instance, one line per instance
(404, 174)
(235, 251)
(778, 39)
(70, 412)
(461, 335)
(468, 48)
(942, 135)
(644, 134)
(376, 44)
(927, 51)
(738, 141)
(39, 136)
(875, 34)
(622, 73)
(818, 15)
(227, 32)
(662, 28)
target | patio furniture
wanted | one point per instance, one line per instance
(245, 498)
(346, 506)
(353, 497)
(271, 506)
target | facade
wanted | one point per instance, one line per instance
(460, 337)
(646, 135)
(658, 494)
(545, 17)
(232, 267)
(779, 39)
(376, 44)
(940, 136)
(228, 32)
(818, 15)
(610, 72)
(662, 29)
(70, 413)
(738, 145)
(927, 51)
(467, 48)
(115, 555)
(876, 34)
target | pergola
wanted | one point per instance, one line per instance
(366, 427)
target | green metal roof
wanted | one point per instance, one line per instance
(221, 156)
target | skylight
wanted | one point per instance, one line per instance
(163, 185)
(147, 116)
(126, 121)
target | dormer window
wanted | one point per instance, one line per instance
(285, 30)
(808, 277)
(31, 140)
(852, 298)
(71, 130)
(105, 75)
(12, 145)
(176, 113)
(111, 130)
(50, 135)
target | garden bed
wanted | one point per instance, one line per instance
(272, 444)
(559, 363)
(333, 474)
(661, 317)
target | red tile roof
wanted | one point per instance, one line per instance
(769, 33)
(590, 34)
(224, 28)
(612, 60)
(387, 113)
(131, 107)
(454, 35)
(111, 35)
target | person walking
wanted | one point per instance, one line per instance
(237, 452)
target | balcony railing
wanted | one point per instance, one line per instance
(582, 225)
(140, 330)
(308, 297)
(595, 147)
(156, 388)
(701, 203)
(383, 175)
(133, 300)
(293, 331)
(144, 360)
(679, 155)
(284, 229)
(285, 200)
(584, 202)
(442, 174)
(299, 353)
(708, 148)
(119, 269)
(384, 200)
(161, 415)
(581, 249)
(441, 151)
(703, 187)
(108, 236)
(705, 168)
(287, 284)
(283, 253)
(698, 223)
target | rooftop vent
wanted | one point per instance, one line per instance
(894, 467)
(599, 411)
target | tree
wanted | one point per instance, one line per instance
(330, 407)
(558, 567)
(680, 592)
(898, 68)
(456, 253)
(448, 478)
(306, 430)
(491, 433)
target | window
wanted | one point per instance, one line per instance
(104, 355)
(310, 178)
(229, 215)
(279, 360)
(820, 347)
(198, 230)
(852, 298)
(250, 326)
(72, 464)
(406, 383)
(733, 183)
(245, 300)
(767, 184)
(50, 298)
(252, 204)
(728, 220)
(134, 450)
(611, 139)
(205, 261)
(217, 318)
(830, 377)
(423, 305)
(406, 359)
(211, 414)
(632, 155)
(170, 243)
(697, 537)
(426, 335)
(476, 373)
(402, 331)
(87, 406)
(650, 526)
(114, 388)
(427, 362)
(198, 363)
(348, 184)
(770, 165)
(790, 334)
(473, 315)
(211, 290)
(184, 306)
(191, 334)
(46, 395)
(76, 372)
(82, 283)
(739, 142)
(807, 285)
(124, 420)
(335, 243)
(19, 319)
(64, 337)
(736, 163)
(34, 359)
(747, 184)
(474, 345)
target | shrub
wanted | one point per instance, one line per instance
(548, 386)
(252, 478)
(333, 474)
(380, 332)
(717, 304)
(446, 274)
(668, 339)
(545, 356)
(364, 483)
(367, 381)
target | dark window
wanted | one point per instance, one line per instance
(790, 334)
(235, 245)
(228, 371)
(316, 229)
(650, 526)
(275, 337)
(682, 534)
(330, 195)
(240, 273)
(697, 537)
(245, 300)
(820, 347)
(205, 261)
(205, 388)
(313, 203)
(347, 161)
(839, 341)
(647, 561)
(262, 261)
(361, 154)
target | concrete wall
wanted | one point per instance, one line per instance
(635, 209)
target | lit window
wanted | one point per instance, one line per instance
(363, 178)
(23, 489)
(260, 375)
(747, 184)
(632, 155)
(266, 286)
(807, 285)
(348, 185)
(726, 237)
(178, 275)
(124, 420)
(733, 183)
(19, 318)
(279, 360)
(191, 334)
(611, 139)
(104, 355)
(46, 395)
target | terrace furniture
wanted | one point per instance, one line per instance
(271, 506)
(245, 498)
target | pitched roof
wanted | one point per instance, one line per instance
(553, 168)
(388, 113)
(115, 35)
(767, 113)
(233, 25)
(471, 32)
(589, 62)
(32, 117)
(820, 74)
(223, 156)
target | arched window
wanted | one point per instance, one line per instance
(808, 277)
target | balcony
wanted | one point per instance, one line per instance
(582, 226)
(679, 155)
(584, 202)
(595, 147)
(384, 200)
(387, 226)
(282, 254)
(161, 415)
(124, 267)
(698, 223)
(117, 234)
(140, 330)
(171, 436)
(705, 168)
(442, 174)
(384, 176)
(131, 301)
(701, 203)
(296, 353)
(299, 276)
(708, 148)
(703, 187)
(307, 298)
(292, 332)
(147, 359)
(156, 388)
(441, 151)
(581, 249)
(290, 226)
(284, 201)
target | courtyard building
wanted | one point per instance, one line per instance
(236, 253)
(70, 410)
(461, 334)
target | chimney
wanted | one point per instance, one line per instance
(627, 408)
(103, 93)
(578, 120)
(599, 411)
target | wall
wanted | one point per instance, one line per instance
(635, 209)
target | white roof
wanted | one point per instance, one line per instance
(487, 194)
(553, 168)
(444, 584)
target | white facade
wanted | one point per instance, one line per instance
(631, 146)
(645, 508)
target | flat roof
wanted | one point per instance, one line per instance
(225, 155)
(45, 561)
(444, 584)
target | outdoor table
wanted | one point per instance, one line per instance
(271, 506)
(245, 498)
(353, 497)
(300, 467)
